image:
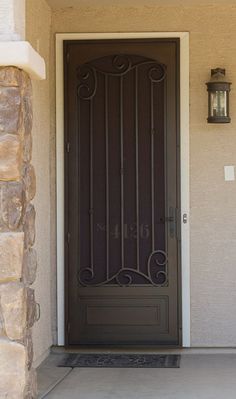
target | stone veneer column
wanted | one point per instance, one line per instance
(17, 234)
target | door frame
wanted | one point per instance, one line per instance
(184, 169)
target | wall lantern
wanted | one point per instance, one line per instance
(218, 97)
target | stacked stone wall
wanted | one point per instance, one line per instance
(18, 261)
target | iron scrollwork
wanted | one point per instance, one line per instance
(120, 66)
(87, 76)
(157, 73)
(124, 277)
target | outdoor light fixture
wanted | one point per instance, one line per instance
(218, 97)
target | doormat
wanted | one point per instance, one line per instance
(120, 361)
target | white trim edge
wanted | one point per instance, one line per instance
(22, 55)
(184, 138)
(185, 189)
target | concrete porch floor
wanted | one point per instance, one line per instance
(200, 376)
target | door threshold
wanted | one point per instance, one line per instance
(144, 349)
(117, 349)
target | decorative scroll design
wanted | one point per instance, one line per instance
(157, 73)
(120, 66)
(87, 76)
(124, 277)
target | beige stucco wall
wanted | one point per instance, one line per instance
(38, 25)
(213, 213)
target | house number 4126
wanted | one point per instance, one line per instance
(130, 230)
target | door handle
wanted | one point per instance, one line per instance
(171, 220)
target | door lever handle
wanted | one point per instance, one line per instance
(171, 219)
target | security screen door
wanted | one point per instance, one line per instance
(122, 191)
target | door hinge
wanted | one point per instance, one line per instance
(68, 327)
(68, 57)
(68, 147)
(68, 238)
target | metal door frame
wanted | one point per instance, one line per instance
(184, 273)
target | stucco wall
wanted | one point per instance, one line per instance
(38, 25)
(213, 216)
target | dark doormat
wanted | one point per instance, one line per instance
(120, 360)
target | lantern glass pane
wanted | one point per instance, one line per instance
(218, 101)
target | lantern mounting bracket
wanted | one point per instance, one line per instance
(217, 71)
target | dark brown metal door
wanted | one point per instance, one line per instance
(121, 122)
